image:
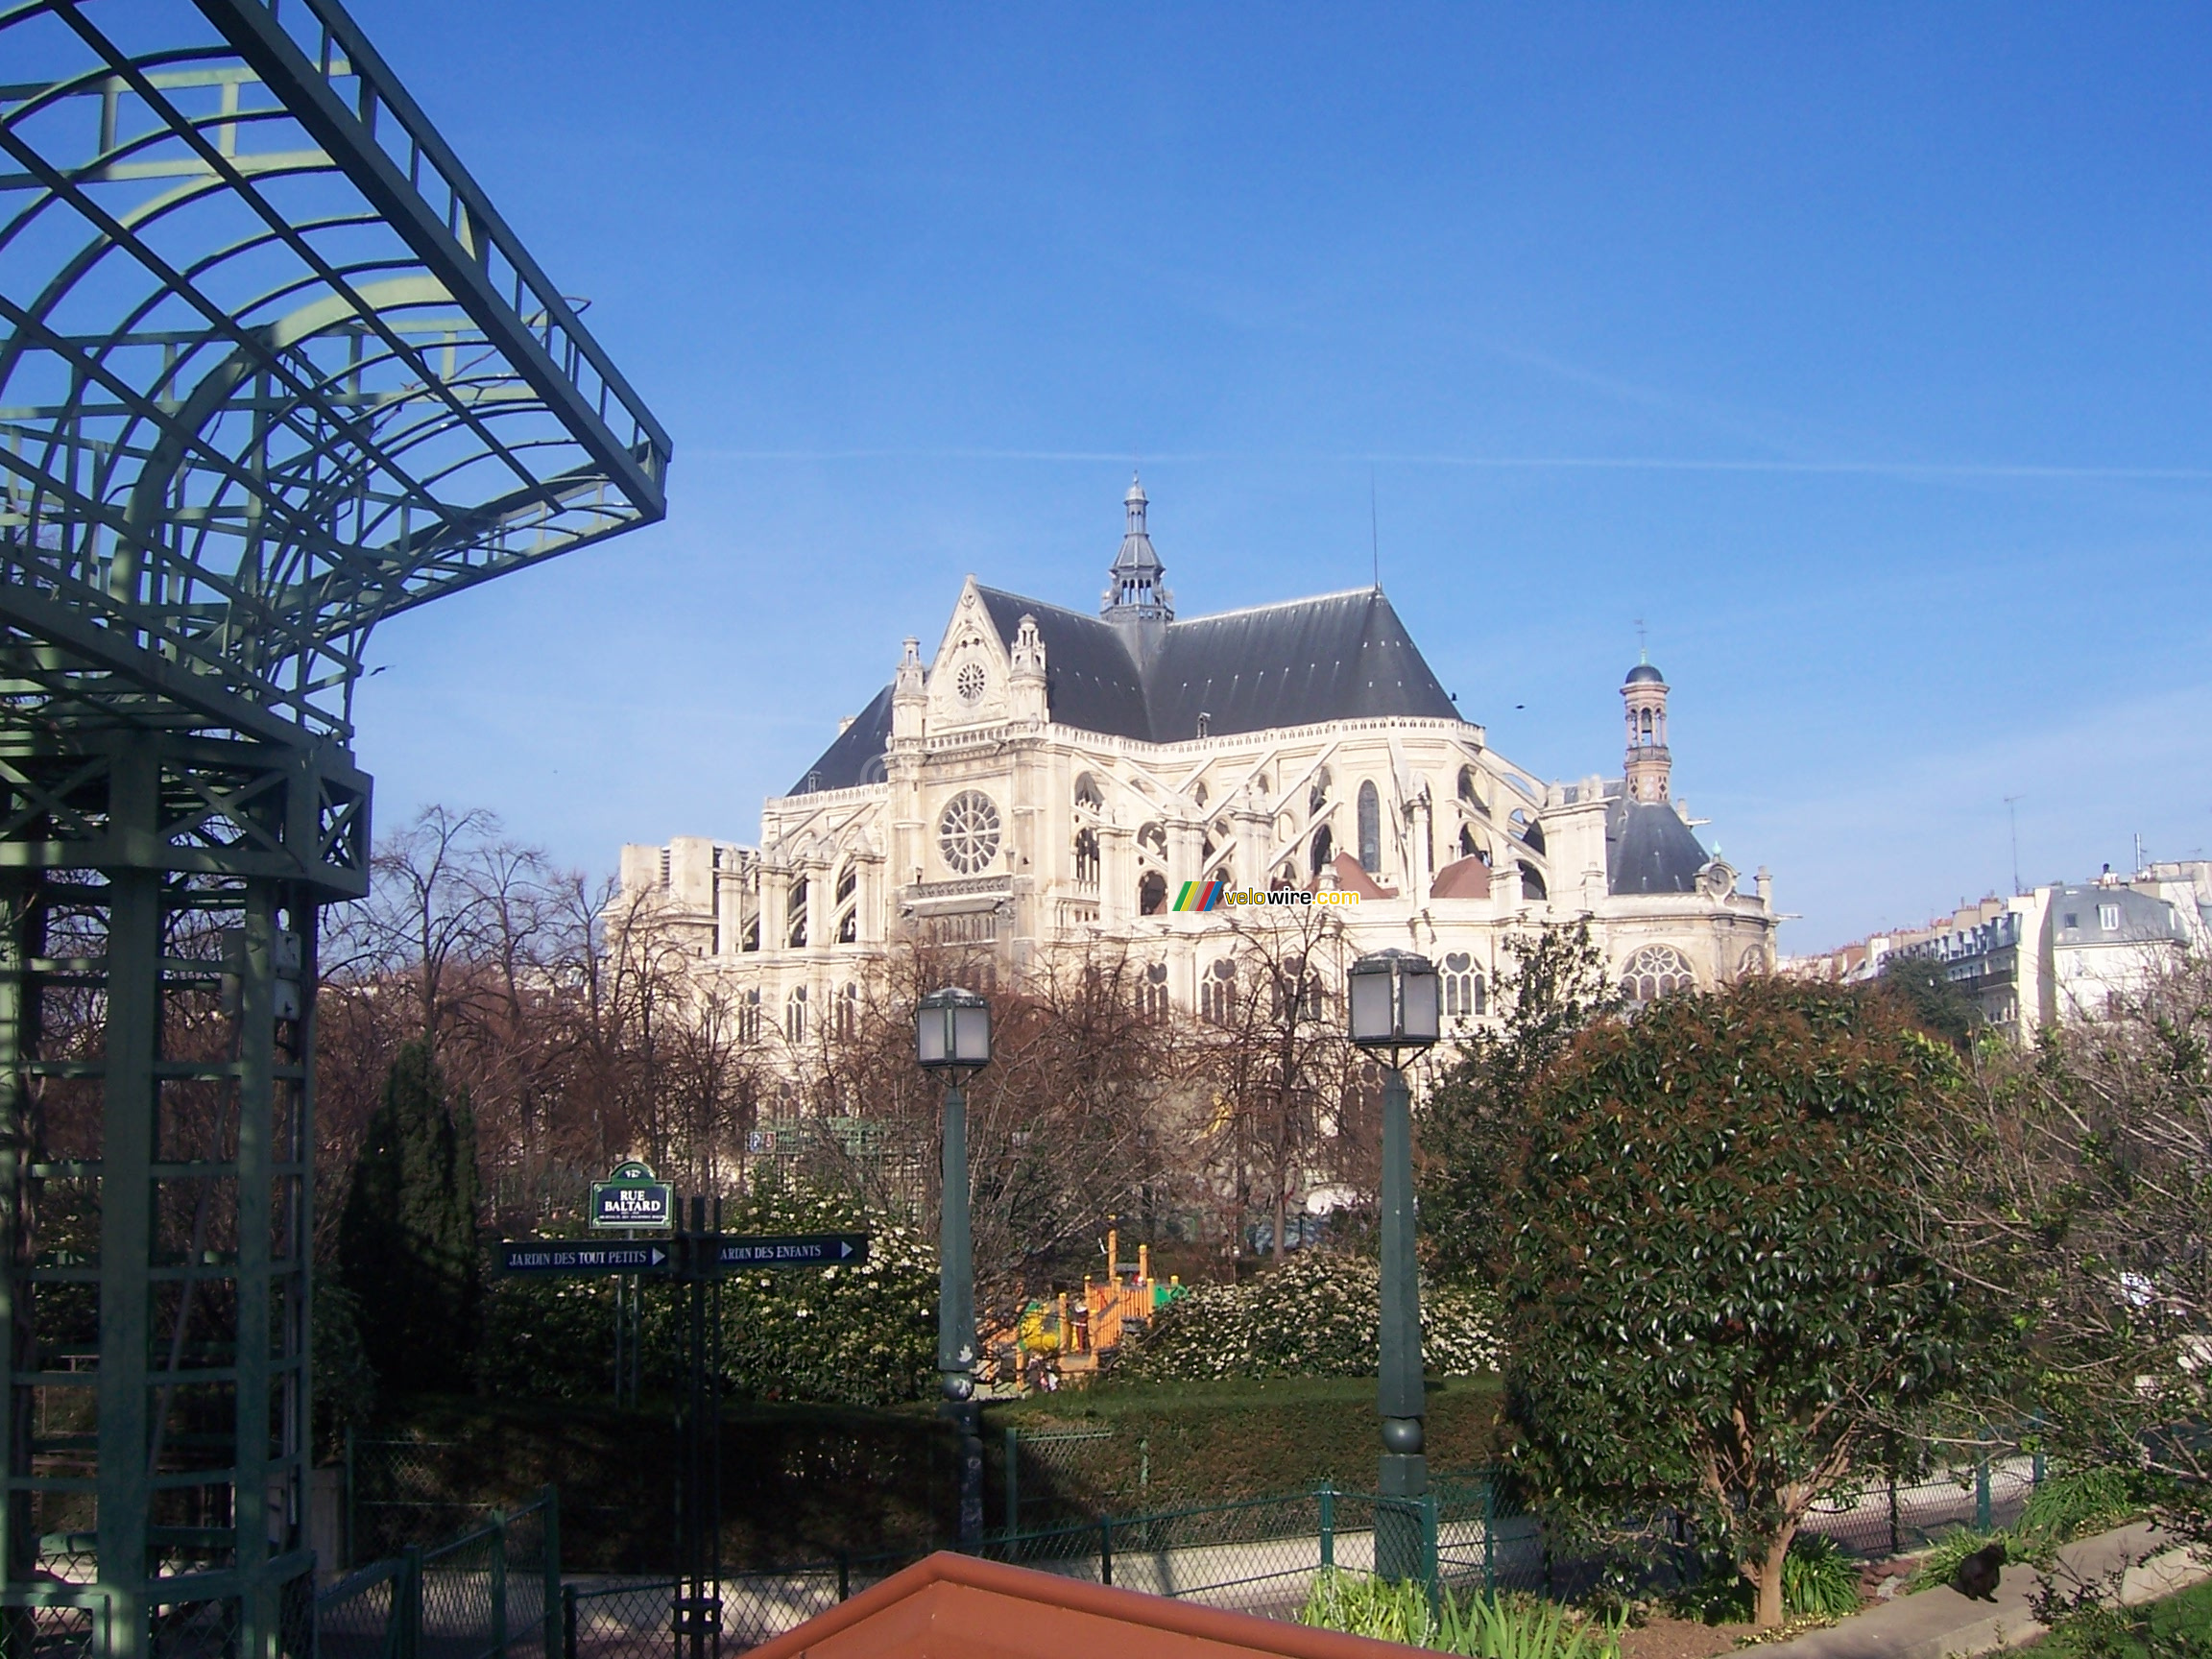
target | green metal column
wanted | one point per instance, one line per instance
(129, 1105)
(1403, 1478)
(22, 945)
(956, 1317)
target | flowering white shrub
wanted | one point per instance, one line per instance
(1316, 1315)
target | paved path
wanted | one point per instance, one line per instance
(1939, 1624)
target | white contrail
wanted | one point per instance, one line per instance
(1930, 469)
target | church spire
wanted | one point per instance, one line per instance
(1135, 588)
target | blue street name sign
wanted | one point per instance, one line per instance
(631, 1196)
(795, 1250)
(557, 1256)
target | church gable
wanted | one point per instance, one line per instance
(969, 678)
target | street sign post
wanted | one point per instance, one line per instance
(793, 1250)
(709, 1253)
(697, 1258)
(632, 1196)
(566, 1256)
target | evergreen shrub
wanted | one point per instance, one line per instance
(1316, 1316)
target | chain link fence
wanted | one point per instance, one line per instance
(492, 1593)
(397, 1493)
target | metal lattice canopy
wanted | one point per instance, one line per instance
(271, 369)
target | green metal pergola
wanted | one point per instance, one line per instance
(272, 368)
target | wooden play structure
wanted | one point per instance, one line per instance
(1065, 1336)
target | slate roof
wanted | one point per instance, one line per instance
(1650, 850)
(1340, 656)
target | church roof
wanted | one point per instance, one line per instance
(1303, 662)
(857, 757)
(1650, 850)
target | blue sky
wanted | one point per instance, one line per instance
(1863, 353)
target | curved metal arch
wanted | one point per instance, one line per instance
(358, 393)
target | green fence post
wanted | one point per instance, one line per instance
(1013, 1479)
(1327, 1493)
(1982, 1488)
(1430, 1552)
(1106, 1551)
(499, 1584)
(410, 1610)
(567, 1616)
(1489, 1528)
(556, 1627)
(844, 1575)
(349, 1549)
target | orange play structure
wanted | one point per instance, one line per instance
(1065, 1336)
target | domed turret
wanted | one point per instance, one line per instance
(1645, 693)
(1135, 589)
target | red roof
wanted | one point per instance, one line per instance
(956, 1607)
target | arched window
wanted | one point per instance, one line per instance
(1532, 881)
(1469, 792)
(795, 912)
(1152, 894)
(848, 1012)
(1463, 997)
(848, 926)
(1466, 842)
(1370, 829)
(750, 939)
(1152, 838)
(1217, 994)
(1324, 849)
(1086, 857)
(795, 1014)
(1152, 992)
(749, 1016)
(1087, 793)
(848, 882)
(1654, 972)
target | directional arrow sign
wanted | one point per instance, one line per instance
(559, 1255)
(796, 1250)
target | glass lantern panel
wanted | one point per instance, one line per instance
(1423, 1014)
(972, 1035)
(1371, 1007)
(929, 1034)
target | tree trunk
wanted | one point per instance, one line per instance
(1766, 1578)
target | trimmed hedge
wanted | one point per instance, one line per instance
(801, 1483)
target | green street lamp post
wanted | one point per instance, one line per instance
(1395, 1007)
(953, 1035)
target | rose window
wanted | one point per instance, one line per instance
(1656, 971)
(969, 681)
(968, 834)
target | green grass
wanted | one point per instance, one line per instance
(1481, 1627)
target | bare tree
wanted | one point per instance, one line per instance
(2071, 1187)
(1293, 1104)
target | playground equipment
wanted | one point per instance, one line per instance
(1065, 1335)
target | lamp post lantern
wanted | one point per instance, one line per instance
(1395, 1007)
(953, 1035)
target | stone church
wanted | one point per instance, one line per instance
(1046, 778)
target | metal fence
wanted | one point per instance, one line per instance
(492, 1593)
(1262, 1555)
(397, 1494)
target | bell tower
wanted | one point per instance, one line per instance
(1137, 599)
(1644, 695)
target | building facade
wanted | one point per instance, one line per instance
(1047, 777)
(2062, 952)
